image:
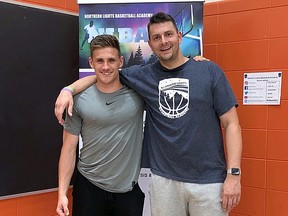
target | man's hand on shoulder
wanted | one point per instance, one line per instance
(200, 58)
(64, 100)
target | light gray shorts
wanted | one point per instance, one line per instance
(174, 198)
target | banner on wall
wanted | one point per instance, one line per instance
(128, 20)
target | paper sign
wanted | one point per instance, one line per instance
(262, 88)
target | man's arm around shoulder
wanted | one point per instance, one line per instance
(65, 97)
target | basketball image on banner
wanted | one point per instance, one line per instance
(128, 21)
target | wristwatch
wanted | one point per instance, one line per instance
(234, 171)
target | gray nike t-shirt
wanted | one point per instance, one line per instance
(111, 126)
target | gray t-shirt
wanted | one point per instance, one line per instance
(111, 126)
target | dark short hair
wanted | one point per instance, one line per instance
(105, 40)
(160, 17)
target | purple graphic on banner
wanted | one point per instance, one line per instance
(128, 22)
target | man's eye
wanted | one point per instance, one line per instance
(156, 38)
(169, 34)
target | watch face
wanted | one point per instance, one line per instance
(235, 171)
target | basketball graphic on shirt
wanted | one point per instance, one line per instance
(173, 97)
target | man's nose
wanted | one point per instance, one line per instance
(163, 39)
(105, 65)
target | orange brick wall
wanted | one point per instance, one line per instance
(252, 36)
(241, 36)
(66, 5)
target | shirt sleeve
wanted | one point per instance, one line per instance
(73, 124)
(223, 96)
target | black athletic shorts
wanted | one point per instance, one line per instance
(90, 200)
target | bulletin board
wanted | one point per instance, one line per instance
(39, 55)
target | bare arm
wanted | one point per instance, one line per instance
(231, 192)
(65, 99)
(66, 169)
(83, 83)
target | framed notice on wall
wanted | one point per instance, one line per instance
(262, 88)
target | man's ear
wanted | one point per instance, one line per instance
(90, 62)
(180, 37)
(150, 45)
(121, 61)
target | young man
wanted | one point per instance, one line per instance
(186, 103)
(109, 162)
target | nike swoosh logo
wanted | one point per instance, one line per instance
(109, 103)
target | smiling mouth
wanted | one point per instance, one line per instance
(106, 73)
(165, 49)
